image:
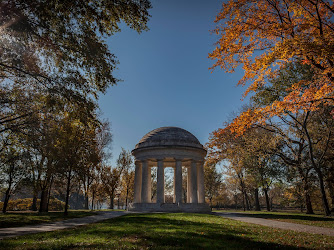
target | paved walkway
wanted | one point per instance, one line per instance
(278, 224)
(52, 226)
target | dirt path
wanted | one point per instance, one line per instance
(52, 226)
(278, 224)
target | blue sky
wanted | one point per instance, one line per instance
(166, 80)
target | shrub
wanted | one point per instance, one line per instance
(26, 204)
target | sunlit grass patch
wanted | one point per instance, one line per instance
(293, 217)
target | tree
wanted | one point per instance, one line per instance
(295, 142)
(128, 177)
(127, 189)
(296, 132)
(98, 141)
(227, 147)
(12, 170)
(55, 62)
(212, 181)
(76, 147)
(58, 49)
(111, 177)
(263, 36)
(60, 46)
(39, 140)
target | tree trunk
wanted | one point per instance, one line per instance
(243, 202)
(86, 184)
(318, 171)
(265, 190)
(86, 201)
(323, 193)
(331, 194)
(126, 198)
(247, 201)
(67, 192)
(7, 194)
(305, 179)
(44, 200)
(308, 204)
(257, 201)
(93, 197)
(49, 195)
(5, 203)
(111, 200)
(34, 200)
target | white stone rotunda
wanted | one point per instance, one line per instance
(169, 147)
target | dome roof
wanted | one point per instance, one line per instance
(169, 136)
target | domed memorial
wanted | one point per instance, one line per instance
(176, 148)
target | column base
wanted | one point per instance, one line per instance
(170, 207)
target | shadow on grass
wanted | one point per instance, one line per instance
(14, 219)
(156, 231)
(285, 216)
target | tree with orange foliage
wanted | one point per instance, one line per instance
(263, 36)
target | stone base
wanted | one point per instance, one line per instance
(170, 207)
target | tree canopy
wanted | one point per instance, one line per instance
(54, 63)
(59, 48)
(265, 36)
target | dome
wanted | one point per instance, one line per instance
(169, 136)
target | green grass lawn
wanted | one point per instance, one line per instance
(13, 219)
(170, 231)
(294, 217)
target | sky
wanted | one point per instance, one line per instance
(165, 75)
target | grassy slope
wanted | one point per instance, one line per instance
(170, 231)
(22, 219)
(293, 217)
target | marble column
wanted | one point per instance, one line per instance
(145, 196)
(137, 186)
(178, 181)
(193, 187)
(149, 184)
(174, 197)
(188, 184)
(200, 182)
(160, 182)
